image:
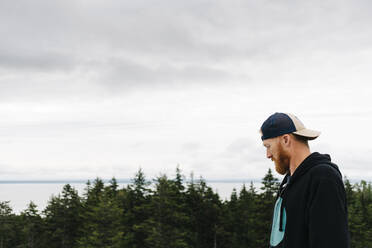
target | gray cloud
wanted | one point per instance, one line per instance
(124, 74)
(130, 44)
(246, 149)
(41, 61)
(191, 147)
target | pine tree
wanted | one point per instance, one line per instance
(204, 208)
(7, 221)
(169, 219)
(265, 204)
(360, 215)
(63, 218)
(135, 202)
(102, 220)
(247, 209)
(33, 227)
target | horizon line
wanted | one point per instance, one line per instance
(130, 180)
(122, 180)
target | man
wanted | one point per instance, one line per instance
(310, 210)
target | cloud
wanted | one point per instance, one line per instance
(74, 46)
(41, 61)
(119, 74)
(246, 149)
(191, 147)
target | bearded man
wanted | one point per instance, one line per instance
(310, 210)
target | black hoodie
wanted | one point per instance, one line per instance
(311, 211)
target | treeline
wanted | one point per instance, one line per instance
(166, 213)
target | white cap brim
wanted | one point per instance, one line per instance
(308, 133)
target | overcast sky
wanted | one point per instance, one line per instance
(102, 88)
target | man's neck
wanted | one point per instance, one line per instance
(298, 157)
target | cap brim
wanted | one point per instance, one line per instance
(308, 133)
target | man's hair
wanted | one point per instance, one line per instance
(301, 139)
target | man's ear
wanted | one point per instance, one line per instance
(286, 140)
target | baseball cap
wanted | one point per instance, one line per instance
(283, 123)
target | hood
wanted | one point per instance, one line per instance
(314, 159)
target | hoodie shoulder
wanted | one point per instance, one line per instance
(325, 171)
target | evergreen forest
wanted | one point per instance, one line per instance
(163, 213)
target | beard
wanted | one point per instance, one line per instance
(282, 161)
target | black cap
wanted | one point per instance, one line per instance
(283, 123)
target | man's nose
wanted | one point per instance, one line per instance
(268, 154)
